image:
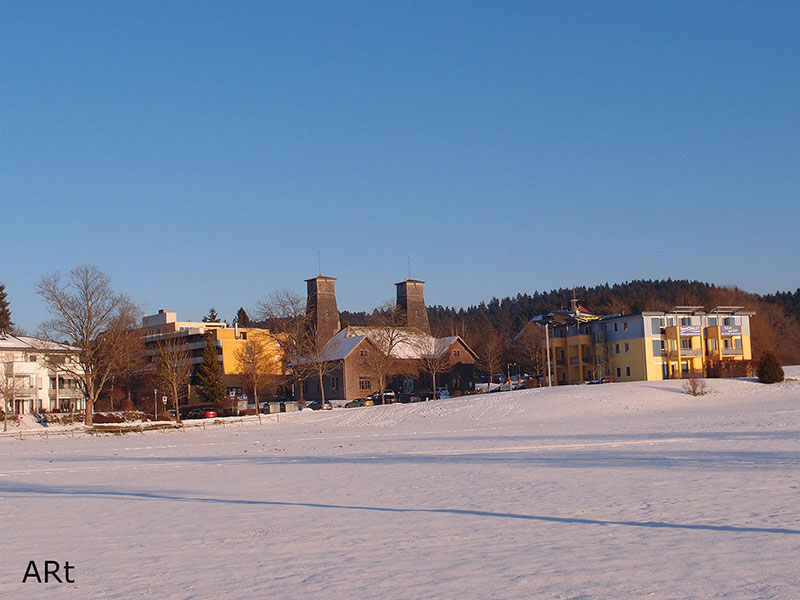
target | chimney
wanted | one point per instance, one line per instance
(411, 305)
(321, 307)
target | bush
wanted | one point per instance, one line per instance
(769, 369)
(695, 385)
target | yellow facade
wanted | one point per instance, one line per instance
(648, 346)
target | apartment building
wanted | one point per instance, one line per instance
(33, 380)
(647, 346)
(229, 342)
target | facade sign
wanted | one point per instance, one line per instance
(689, 330)
(730, 329)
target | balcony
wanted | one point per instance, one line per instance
(560, 362)
(731, 352)
(574, 361)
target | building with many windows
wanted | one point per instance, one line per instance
(32, 379)
(229, 342)
(646, 346)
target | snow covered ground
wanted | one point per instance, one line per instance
(608, 491)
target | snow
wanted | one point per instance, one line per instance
(628, 490)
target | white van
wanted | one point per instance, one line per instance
(442, 393)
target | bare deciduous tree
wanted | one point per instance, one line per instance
(256, 363)
(9, 386)
(434, 358)
(530, 350)
(490, 351)
(173, 367)
(387, 336)
(90, 316)
(285, 314)
(315, 361)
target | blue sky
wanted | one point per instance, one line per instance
(202, 154)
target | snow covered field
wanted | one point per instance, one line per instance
(609, 491)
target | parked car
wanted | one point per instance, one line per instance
(412, 397)
(442, 393)
(315, 405)
(359, 402)
(201, 413)
(388, 397)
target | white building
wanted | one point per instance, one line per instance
(31, 378)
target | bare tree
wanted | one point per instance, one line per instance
(490, 352)
(387, 336)
(530, 351)
(694, 384)
(9, 386)
(173, 367)
(90, 316)
(434, 358)
(256, 363)
(315, 360)
(285, 314)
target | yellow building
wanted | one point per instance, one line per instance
(229, 341)
(647, 346)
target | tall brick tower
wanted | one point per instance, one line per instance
(321, 307)
(411, 305)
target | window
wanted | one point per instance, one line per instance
(737, 342)
(627, 347)
(619, 372)
(712, 321)
(686, 321)
(456, 352)
(656, 347)
(616, 326)
(334, 383)
(364, 383)
(627, 371)
(625, 325)
(616, 348)
(686, 343)
(32, 358)
(362, 352)
(655, 325)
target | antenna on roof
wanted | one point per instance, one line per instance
(409, 266)
(319, 262)
(573, 304)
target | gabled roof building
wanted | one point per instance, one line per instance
(349, 348)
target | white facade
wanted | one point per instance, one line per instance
(32, 383)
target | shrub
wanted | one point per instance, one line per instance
(695, 385)
(769, 368)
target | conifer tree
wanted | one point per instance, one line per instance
(212, 316)
(5, 312)
(769, 369)
(210, 386)
(243, 318)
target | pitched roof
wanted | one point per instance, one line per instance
(21, 342)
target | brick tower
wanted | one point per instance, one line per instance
(321, 307)
(411, 305)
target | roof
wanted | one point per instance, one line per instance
(341, 345)
(412, 344)
(21, 342)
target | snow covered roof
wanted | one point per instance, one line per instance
(14, 342)
(341, 345)
(411, 344)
